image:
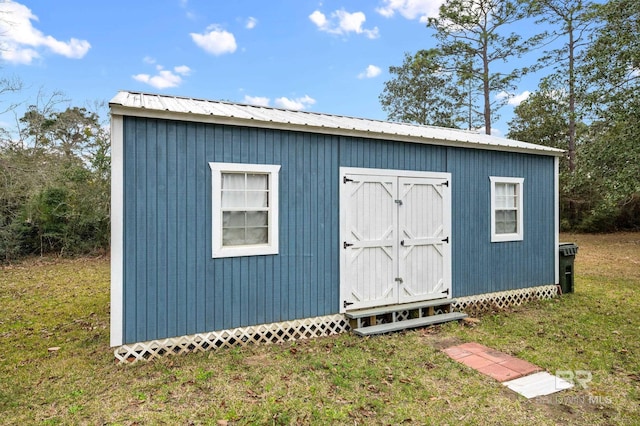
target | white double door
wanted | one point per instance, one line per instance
(395, 237)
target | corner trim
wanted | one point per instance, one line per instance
(556, 188)
(117, 229)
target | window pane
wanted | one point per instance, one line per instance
(257, 218)
(233, 236)
(510, 215)
(510, 228)
(233, 219)
(257, 181)
(506, 221)
(233, 199)
(506, 195)
(233, 180)
(257, 199)
(257, 236)
(510, 195)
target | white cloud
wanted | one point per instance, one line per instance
(256, 100)
(183, 70)
(343, 22)
(371, 72)
(320, 20)
(215, 41)
(513, 100)
(19, 39)
(19, 56)
(411, 9)
(518, 99)
(164, 78)
(295, 104)
(251, 23)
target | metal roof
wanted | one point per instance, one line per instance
(201, 110)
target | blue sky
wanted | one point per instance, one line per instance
(328, 56)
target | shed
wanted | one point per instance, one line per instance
(237, 223)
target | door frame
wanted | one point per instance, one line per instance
(343, 194)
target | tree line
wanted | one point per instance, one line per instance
(587, 103)
(54, 182)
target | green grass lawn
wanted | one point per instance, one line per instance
(401, 378)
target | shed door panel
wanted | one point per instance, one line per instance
(371, 241)
(424, 251)
(395, 239)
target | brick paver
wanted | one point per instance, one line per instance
(500, 366)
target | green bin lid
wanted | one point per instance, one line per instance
(568, 249)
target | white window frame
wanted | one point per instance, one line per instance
(516, 236)
(271, 247)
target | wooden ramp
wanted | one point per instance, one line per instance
(387, 319)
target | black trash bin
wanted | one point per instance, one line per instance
(568, 253)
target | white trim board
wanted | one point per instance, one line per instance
(117, 229)
(556, 188)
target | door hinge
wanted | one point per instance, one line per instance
(399, 280)
(445, 240)
(346, 179)
(446, 291)
(446, 183)
(345, 304)
(398, 202)
(346, 245)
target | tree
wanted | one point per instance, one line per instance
(470, 36)
(612, 62)
(573, 19)
(9, 85)
(612, 70)
(543, 117)
(421, 92)
(54, 184)
(70, 132)
(37, 118)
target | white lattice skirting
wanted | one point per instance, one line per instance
(259, 334)
(308, 328)
(503, 299)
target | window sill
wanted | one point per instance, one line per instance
(503, 238)
(257, 250)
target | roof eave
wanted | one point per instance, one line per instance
(119, 109)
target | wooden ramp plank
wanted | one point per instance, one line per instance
(411, 323)
(363, 313)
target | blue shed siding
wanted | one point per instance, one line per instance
(172, 285)
(377, 154)
(478, 265)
